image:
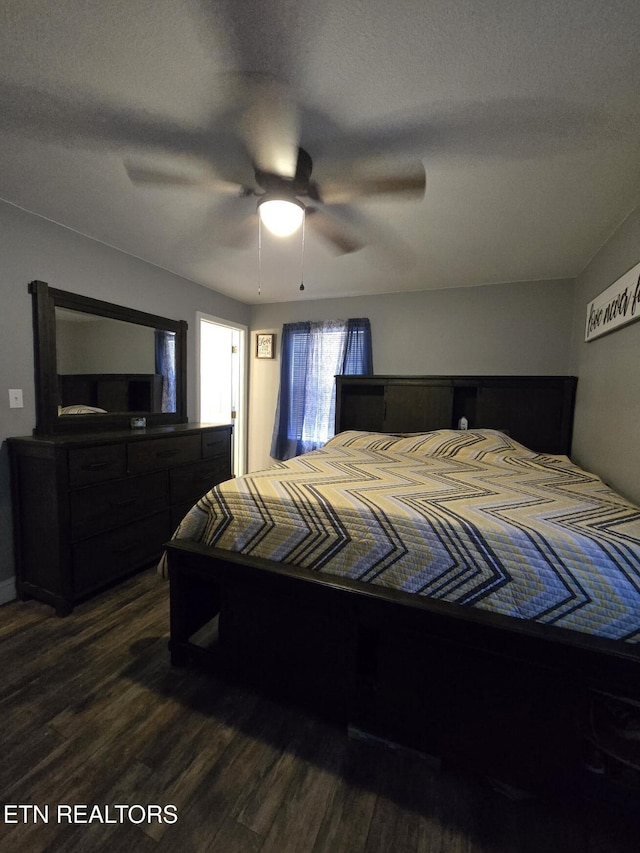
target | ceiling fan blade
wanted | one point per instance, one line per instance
(233, 223)
(336, 232)
(452, 131)
(146, 175)
(410, 184)
(89, 123)
(268, 123)
(348, 229)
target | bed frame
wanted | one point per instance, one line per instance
(489, 693)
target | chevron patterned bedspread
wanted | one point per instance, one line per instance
(468, 517)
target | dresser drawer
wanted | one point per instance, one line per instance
(94, 464)
(216, 442)
(108, 505)
(103, 558)
(193, 481)
(163, 453)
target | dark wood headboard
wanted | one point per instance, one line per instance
(114, 392)
(537, 411)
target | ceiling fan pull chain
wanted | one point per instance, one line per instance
(304, 221)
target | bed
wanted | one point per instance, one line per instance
(469, 517)
(453, 591)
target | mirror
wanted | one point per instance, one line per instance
(112, 365)
(98, 365)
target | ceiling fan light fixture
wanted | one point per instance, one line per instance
(281, 216)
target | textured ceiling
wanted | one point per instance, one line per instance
(526, 116)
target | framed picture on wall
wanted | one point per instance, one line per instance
(265, 345)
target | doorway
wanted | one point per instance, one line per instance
(222, 385)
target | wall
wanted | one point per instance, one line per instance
(521, 328)
(104, 346)
(607, 425)
(33, 248)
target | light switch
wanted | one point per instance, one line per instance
(15, 398)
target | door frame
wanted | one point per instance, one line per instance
(242, 415)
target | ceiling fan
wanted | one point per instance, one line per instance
(270, 176)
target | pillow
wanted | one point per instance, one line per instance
(465, 444)
(487, 445)
(81, 410)
(363, 440)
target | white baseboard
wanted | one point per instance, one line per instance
(7, 590)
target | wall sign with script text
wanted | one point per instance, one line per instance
(265, 345)
(616, 306)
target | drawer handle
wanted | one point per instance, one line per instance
(95, 466)
(166, 454)
(123, 503)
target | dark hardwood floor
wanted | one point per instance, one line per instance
(92, 714)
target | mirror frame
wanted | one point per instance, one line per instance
(45, 300)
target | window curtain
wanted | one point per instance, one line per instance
(310, 357)
(166, 366)
(358, 357)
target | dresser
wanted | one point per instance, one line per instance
(91, 509)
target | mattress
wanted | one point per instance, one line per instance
(470, 517)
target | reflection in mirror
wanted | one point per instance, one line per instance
(106, 365)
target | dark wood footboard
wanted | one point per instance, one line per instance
(488, 692)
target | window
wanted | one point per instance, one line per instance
(166, 367)
(311, 356)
